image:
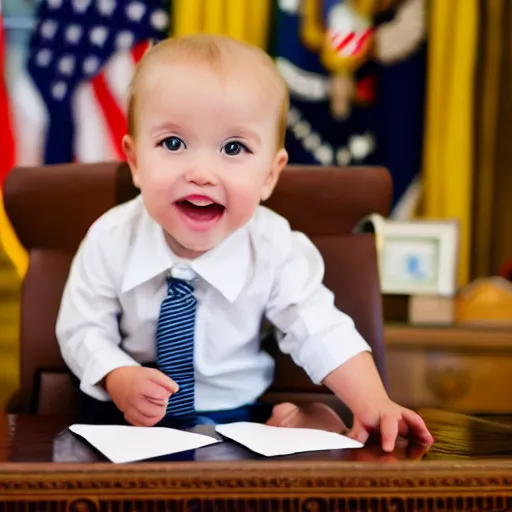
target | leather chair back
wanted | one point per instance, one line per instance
(51, 208)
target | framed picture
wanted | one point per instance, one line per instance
(415, 257)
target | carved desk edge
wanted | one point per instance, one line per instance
(254, 477)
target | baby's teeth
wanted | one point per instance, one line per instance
(201, 203)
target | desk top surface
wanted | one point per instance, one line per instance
(40, 457)
(459, 439)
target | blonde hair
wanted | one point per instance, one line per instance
(213, 50)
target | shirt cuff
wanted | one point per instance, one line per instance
(98, 367)
(332, 351)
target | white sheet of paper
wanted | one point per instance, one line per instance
(123, 443)
(271, 441)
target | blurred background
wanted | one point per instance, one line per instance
(422, 87)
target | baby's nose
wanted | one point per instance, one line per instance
(201, 176)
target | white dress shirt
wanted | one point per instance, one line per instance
(111, 302)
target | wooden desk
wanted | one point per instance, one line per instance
(44, 467)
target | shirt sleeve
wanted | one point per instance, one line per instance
(87, 326)
(317, 335)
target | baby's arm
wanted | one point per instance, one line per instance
(318, 336)
(325, 342)
(358, 384)
(89, 338)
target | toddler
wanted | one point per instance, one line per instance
(161, 315)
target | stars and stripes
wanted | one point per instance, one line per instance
(175, 346)
(81, 59)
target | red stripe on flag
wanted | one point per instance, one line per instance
(7, 155)
(113, 114)
(139, 50)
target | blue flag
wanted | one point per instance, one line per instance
(357, 85)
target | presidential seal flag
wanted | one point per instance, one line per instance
(356, 74)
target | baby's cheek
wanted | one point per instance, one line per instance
(157, 182)
(156, 202)
(160, 179)
(243, 204)
(152, 195)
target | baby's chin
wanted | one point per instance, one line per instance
(191, 249)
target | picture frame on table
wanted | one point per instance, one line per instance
(417, 257)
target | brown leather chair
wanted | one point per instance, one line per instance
(51, 208)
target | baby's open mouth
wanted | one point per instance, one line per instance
(200, 208)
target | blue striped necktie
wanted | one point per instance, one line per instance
(175, 346)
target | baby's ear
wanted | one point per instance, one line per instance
(278, 164)
(131, 158)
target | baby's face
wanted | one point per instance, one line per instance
(205, 151)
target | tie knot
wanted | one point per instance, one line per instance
(179, 287)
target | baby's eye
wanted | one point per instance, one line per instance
(234, 148)
(173, 143)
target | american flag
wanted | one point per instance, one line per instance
(81, 59)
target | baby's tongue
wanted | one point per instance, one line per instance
(201, 213)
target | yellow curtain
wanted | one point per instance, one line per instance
(448, 148)
(491, 68)
(10, 285)
(10, 244)
(245, 20)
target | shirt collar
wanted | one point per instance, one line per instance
(225, 267)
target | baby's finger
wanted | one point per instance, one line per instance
(159, 378)
(358, 432)
(137, 419)
(417, 427)
(149, 409)
(160, 403)
(388, 432)
(154, 391)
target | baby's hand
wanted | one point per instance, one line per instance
(390, 420)
(140, 393)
